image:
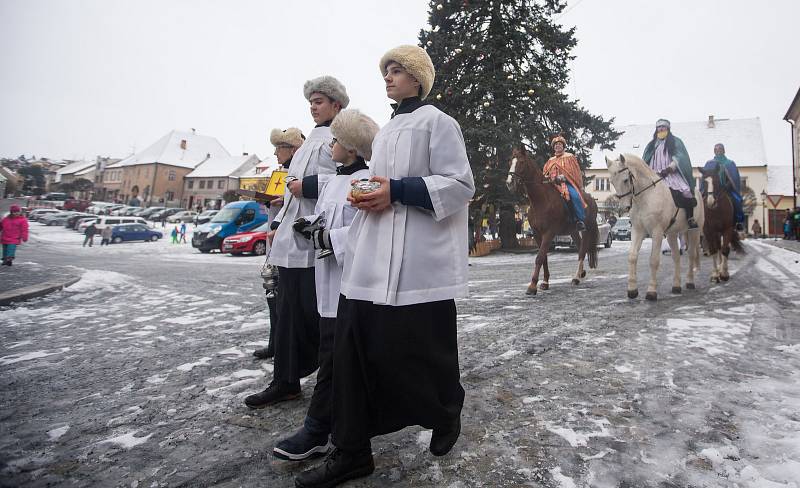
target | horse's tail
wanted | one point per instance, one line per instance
(736, 243)
(592, 236)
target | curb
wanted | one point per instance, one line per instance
(34, 291)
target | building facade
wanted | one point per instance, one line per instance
(205, 186)
(793, 118)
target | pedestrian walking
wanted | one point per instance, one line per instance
(353, 133)
(395, 349)
(174, 235)
(787, 228)
(89, 233)
(106, 234)
(183, 233)
(756, 228)
(297, 334)
(163, 218)
(13, 232)
(286, 143)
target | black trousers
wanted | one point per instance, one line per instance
(320, 408)
(272, 304)
(393, 367)
(297, 334)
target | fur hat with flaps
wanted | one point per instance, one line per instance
(416, 61)
(289, 137)
(355, 131)
(328, 86)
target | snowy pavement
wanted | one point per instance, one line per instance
(135, 376)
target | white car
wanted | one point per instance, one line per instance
(604, 238)
(37, 213)
(185, 216)
(84, 223)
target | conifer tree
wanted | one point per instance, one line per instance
(501, 72)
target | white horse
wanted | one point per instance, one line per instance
(653, 212)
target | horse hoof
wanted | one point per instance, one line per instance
(583, 274)
(676, 290)
(544, 286)
(633, 293)
(651, 295)
(724, 277)
(576, 281)
(690, 286)
(531, 290)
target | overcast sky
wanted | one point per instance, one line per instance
(104, 77)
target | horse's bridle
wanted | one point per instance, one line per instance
(633, 187)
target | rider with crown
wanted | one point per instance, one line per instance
(564, 170)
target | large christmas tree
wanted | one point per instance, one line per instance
(501, 71)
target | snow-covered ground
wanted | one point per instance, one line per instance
(136, 375)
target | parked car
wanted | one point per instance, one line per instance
(184, 216)
(55, 197)
(604, 237)
(123, 210)
(157, 216)
(36, 213)
(134, 232)
(55, 218)
(622, 229)
(76, 205)
(73, 219)
(234, 218)
(205, 217)
(109, 209)
(130, 211)
(110, 220)
(149, 211)
(83, 223)
(98, 208)
(254, 241)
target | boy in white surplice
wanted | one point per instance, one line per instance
(353, 133)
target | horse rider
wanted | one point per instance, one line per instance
(729, 179)
(667, 156)
(564, 170)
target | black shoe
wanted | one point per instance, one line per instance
(338, 467)
(301, 445)
(692, 223)
(442, 440)
(275, 393)
(264, 353)
(580, 225)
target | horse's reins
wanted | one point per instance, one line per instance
(633, 187)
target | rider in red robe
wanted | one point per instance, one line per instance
(564, 170)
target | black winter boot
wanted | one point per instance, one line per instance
(276, 392)
(338, 467)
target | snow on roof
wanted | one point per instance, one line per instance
(743, 140)
(85, 171)
(168, 150)
(779, 180)
(75, 167)
(224, 166)
(262, 170)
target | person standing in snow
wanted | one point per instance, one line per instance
(396, 350)
(353, 133)
(13, 232)
(174, 235)
(183, 233)
(89, 233)
(105, 235)
(297, 334)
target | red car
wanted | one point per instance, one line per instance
(254, 241)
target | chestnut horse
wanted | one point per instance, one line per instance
(719, 229)
(549, 217)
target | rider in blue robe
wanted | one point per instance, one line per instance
(729, 179)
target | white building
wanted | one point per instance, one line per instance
(205, 185)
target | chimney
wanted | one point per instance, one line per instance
(245, 154)
(711, 124)
(183, 144)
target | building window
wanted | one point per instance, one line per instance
(191, 184)
(210, 184)
(171, 176)
(202, 184)
(744, 182)
(220, 184)
(601, 184)
(170, 195)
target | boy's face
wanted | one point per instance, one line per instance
(284, 153)
(323, 108)
(341, 155)
(399, 83)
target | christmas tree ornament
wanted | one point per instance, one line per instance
(439, 96)
(439, 7)
(458, 50)
(531, 92)
(486, 104)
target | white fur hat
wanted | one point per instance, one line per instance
(416, 61)
(355, 131)
(328, 86)
(291, 137)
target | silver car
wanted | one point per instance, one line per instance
(604, 236)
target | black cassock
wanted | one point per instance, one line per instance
(297, 334)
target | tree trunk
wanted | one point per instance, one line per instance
(508, 228)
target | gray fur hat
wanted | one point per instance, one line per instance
(355, 131)
(289, 137)
(328, 86)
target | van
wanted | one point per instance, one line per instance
(104, 221)
(234, 218)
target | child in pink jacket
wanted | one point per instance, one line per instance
(13, 231)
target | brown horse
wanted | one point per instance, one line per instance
(719, 229)
(549, 217)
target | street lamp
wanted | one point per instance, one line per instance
(765, 225)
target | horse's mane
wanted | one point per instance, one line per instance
(637, 165)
